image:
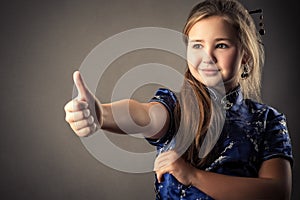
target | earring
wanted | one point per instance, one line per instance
(246, 71)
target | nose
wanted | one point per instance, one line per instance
(208, 56)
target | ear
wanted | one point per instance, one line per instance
(245, 58)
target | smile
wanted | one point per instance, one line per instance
(210, 72)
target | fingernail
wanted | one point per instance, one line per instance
(91, 120)
(94, 127)
(86, 113)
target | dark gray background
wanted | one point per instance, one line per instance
(43, 42)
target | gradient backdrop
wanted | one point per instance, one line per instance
(43, 42)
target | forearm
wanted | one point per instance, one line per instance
(131, 117)
(116, 116)
(222, 187)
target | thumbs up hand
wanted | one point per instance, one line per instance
(84, 112)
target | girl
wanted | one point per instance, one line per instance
(215, 139)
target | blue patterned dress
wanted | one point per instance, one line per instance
(252, 133)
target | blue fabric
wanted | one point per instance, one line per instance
(252, 133)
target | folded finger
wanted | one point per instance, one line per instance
(82, 123)
(77, 115)
(84, 132)
(75, 105)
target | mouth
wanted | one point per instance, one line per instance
(210, 71)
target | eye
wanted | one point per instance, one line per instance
(222, 46)
(197, 46)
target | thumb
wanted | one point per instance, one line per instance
(83, 91)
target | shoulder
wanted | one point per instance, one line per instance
(164, 92)
(166, 97)
(269, 112)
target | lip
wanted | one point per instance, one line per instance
(210, 71)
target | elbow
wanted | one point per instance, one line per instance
(282, 191)
(159, 121)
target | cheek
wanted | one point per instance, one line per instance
(231, 63)
(194, 72)
(193, 58)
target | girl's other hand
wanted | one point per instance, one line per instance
(170, 162)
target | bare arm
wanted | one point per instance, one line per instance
(86, 114)
(129, 116)
(273, 181)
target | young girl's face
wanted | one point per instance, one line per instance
(214, 54)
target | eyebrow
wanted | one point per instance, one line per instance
(217, 39)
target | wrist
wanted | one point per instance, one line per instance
(99, 112)
(194, 176)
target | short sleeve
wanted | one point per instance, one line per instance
(277, 141)
(169, 100)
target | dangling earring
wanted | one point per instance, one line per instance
(246, 71)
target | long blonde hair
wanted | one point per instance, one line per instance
(195, 112)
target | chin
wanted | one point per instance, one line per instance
(213, 81)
